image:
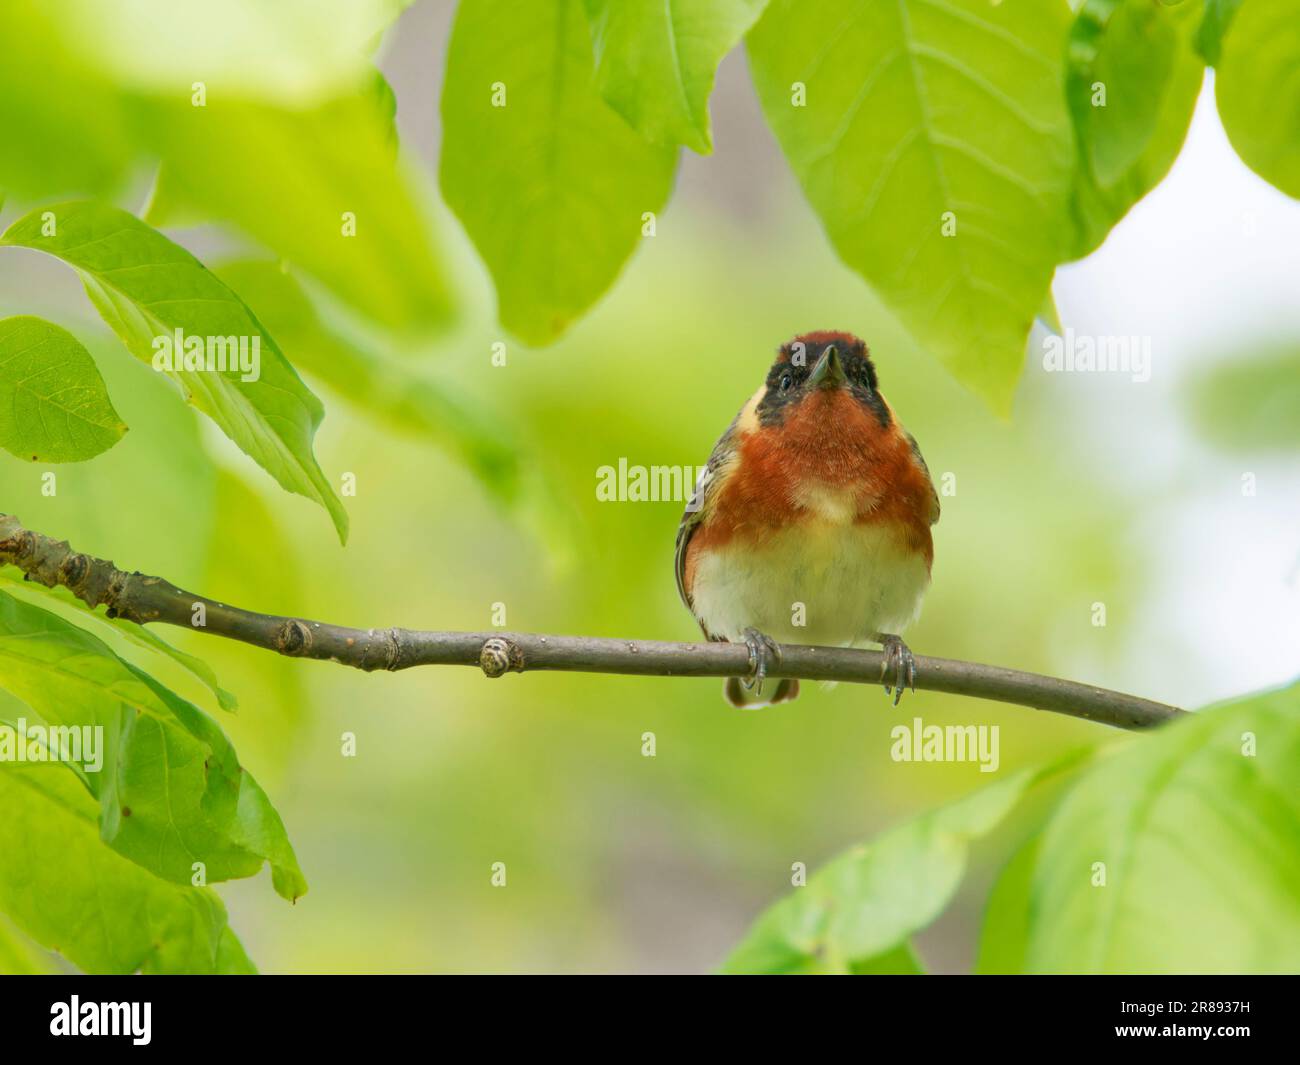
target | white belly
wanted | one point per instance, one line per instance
(844, 582)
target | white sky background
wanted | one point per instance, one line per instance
(1207, 267)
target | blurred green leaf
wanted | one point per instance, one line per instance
(1214, 24)
(18, 955)
(1258, 92)
(146, 287)
(54, 406)
(1153, 109)
(374, 382)
(1048, 314)
(552, 186)
(901, 961)
(65, 129)
(162, 468)
(292, 51)
(867, 902)
(1250, 404)
(110, 91)
(67, 605)
(80, 80)
(1196, 826)
(171, 791)
(1005, 931)
(73, 895)
(920, 117)
(897, 961)
(352, 218)
(655, 61)
(1124, 49)
(385, 101)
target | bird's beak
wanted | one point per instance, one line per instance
(829, 371)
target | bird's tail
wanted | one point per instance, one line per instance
(781, 691)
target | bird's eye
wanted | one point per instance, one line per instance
(786, 381)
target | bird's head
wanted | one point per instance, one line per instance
(815, 372)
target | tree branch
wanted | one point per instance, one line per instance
(144, 600)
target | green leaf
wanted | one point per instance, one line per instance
(1258, 92)
(1251, 403)
(19, 956)
(54, 406)
(900, 961)
(1048, 314)
(56, 141)
(100, 98)
(868, 901)
(1214, 24)
(1005, 931)
(655, 61)
(65, 603)
(146, 287)
(76, 111)
(375, 383)
(430, 407)
(1196, 825)
(292, 51)
(1127, 147)
(170, 788)
(897, 961)
(552, 186)
(1125, 50)
(216, 159)
(917, 115)
(73, 895)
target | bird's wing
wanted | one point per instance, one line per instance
(934, 495)
(698, 507)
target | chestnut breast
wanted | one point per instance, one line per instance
(829, 460)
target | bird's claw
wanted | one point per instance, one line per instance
(764, 652)
(900, 660)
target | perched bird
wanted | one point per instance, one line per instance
(812, 521)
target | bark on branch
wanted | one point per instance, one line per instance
(145, 600)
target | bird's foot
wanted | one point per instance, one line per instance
(898, 670)
(764, 652)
